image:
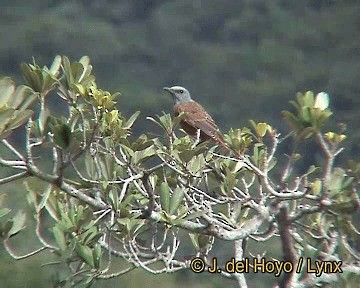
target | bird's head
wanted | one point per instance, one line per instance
(179, 94)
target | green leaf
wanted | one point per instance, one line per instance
(293, 121)
(230, 180)
(44, 198)
(59, 238)
(24, 97)
(227, 219)
(252, 123)
(78, 71)
(85, 253)
(178, 118)
(62, 135)
(47, 83)
(165, 122)
(261, 129)
(43, 117)
(55, 66)
(165, 196)
(335, 183)
(79, 214)
(197, 164)
(135, 224)
(176, 199)
(316, 186)
(18, 223)
(104, 184)
(309, 99)
(144, 154)
(7, 89)
(194, 239)
(4, 211)
(20, 119)
(153, 120)
(31, 77)
(90, 165)
(186, 155)
(131, 120)
(78, 88)
(97, 256)
(67, 70)
(85, 60)
(128, 150)
(89, 235)
(5, 117)
(306, 114)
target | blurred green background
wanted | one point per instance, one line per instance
(240, 59)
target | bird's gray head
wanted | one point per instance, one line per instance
(179, 94)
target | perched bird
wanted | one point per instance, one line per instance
(196, 121)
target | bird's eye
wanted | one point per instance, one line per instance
(181, 91)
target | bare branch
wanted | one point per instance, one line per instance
(13, 177)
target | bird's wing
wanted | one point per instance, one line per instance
(197, 117)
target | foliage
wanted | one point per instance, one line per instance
(239, 59)
(112, 195)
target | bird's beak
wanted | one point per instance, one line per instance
(168, 90)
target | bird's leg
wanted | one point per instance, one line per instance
(197, 139)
